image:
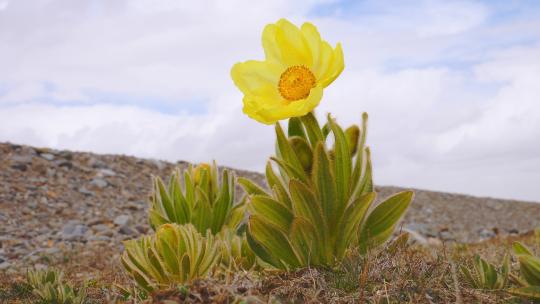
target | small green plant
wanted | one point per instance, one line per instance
(202, 200)
(321, 202)
(174, 255)
(485, 275)
(206, 203)
(48, 285)
(235, 251)
(529, 266)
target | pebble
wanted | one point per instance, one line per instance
(486, 233)
(85, 191)
(416, 237)
(96, 163)
(22, 159)
(122, 220)
(106, 172)
(100, 183)
(446, 235)
(47, 156)
(4, 265)
(99, 238)
(127, 230)
(74, 231)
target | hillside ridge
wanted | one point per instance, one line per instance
(49, 197)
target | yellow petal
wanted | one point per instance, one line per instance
(253, 76)
(285, 43)
(271, 110)
(272, 52)
(313, 40)
(335, 68)
(325, 60)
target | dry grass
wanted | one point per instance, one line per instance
(404, 274)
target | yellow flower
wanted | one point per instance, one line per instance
(290, 82)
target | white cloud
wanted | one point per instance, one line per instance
(453, 100)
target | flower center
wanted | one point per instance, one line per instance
(296, 82)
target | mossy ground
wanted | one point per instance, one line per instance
(403, 274)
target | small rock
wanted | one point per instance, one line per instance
(85, 191)
(127, 230)
(141, 229)
(99, 238)
(52, 250)
(106, 172)
(4, 265)
(423, 229)
(158, 163)
(486, 233)
(21, 167)
(445, 235)
(98, 182)
(64, 164)
(434, 242)
(74, 231)
(47, 156)
(416, 237)
(96, 163)
(122, 220)
(22, 159)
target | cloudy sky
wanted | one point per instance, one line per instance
(452, 87)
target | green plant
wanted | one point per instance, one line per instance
(321, 202)
(485, 275)
(529, 266)
(174, 255)
(48, 285)
(202, 200)
(208, 205)
(235, 251)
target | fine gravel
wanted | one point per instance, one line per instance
(51, 200)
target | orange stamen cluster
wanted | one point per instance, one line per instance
(296, 83)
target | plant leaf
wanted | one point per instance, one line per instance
(271, 211)
(296, 128)
(529, 267)
(286, 152)
(381, 222)
(529, 292)
(250, 187)
(273, 240)
(313, 129)
(521, 249)
(323, 180)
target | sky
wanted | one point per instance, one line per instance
(452, 87)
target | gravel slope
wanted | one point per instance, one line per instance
(50, 200)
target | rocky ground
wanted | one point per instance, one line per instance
(51, 201)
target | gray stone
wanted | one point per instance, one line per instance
(98, 182)
(446, 235)
(106, 172)
(99, 238)
(141, 229)
(85, 191)
(96, 163)
(74, 231)
(4, 265)
(486, 233)
(22, 159)
(47, 156)
(158, 163)
(127, 230)
(416, 237)
(122, 220)
(423, 229)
